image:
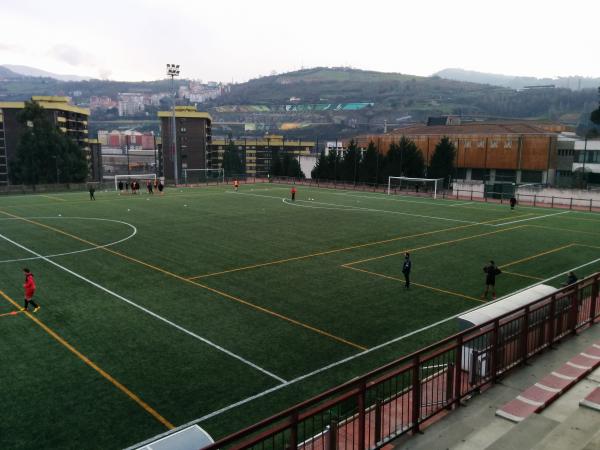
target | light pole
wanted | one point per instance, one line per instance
(173, 71)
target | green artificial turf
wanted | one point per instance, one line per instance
(203, 298)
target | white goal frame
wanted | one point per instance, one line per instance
(134, 176)
(220, 176)
(434, 180)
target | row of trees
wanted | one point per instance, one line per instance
(44, 153)
(282, 163)
(371, 166)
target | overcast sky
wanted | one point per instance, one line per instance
(237, 40)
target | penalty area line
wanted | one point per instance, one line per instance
(530, 218)
(147, 311)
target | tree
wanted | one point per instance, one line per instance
(276, 164)
(320, 169)
(232, 162)
(44, 153)
(368, 166)
(412, 161)
(350, 163)
(442, 161)
(333, 165)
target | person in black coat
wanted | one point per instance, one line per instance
(491, 271)
(406, 267)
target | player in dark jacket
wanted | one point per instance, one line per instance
(491, 271)
(406, 267)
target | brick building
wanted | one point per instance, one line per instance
(70, 119)
(193, 136)
(514, 152)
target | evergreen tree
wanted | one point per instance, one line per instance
(276, 164)
(44, 153)
(232, 161)
(319, 172)
(412, 162)
(442, 161)
(333, 165)
(368, 166)
(350, 163)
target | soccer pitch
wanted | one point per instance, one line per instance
(227, 307)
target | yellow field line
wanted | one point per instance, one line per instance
(444, 291)
(537, 255)
(94, 366)
(437, 244)
(522, 275)
(338, 250)
(194, 283)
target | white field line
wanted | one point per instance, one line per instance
(531, 218)
(96, 247)
(370, 350)
(460, 204)
(357, 208)
(147, 311)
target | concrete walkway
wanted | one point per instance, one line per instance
(562, 425)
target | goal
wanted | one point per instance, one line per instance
(136, 176)
(429, 185)
(203, 175)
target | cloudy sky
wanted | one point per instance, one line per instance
(237, 40)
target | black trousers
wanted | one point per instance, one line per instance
(33, 303)
(406, 279)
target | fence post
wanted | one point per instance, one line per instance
(471, 194)
(333, 426)
(416, 397)
(525, 335)
(552, 202)
(574, 310)
(449, 386)
(571, 203)
(377, 421)
(590, 205)
(458, 370)
(361, 416)
(594, 300)
(551, 326)
(494, 350)
(293, 444)
(534, 199)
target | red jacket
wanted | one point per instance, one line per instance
(29, 285)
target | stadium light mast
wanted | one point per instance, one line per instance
(173, 71)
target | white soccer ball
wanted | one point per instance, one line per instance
(185, 206)
(128, 209)
(60, 215)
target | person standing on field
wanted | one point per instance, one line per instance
(236, 185)
(406, 268)
(29, 287)
(293, 192)
(513, 202)
(491, 271)
(92, 190)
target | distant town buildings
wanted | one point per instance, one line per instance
(130, 104)
(132, 139)
(102, 103)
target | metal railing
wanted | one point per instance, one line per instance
(372, 410)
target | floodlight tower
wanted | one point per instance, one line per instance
(173, 71)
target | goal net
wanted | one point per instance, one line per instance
(191, 176)
(130, 178)
(405, 184)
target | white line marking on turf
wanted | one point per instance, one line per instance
(372, 349)
(147, 311)
(530, 218)
(460, 204)
(96, 247)
(358, 208)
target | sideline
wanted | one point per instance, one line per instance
(147, 311)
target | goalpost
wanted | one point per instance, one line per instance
(399, 183)
(133, 176)
(203, 175)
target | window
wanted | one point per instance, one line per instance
(508, 144)
(493, 144)
(183, 129)
(467, 144)
(481, 144)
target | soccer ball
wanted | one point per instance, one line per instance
(60, 215)
(128, 209)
